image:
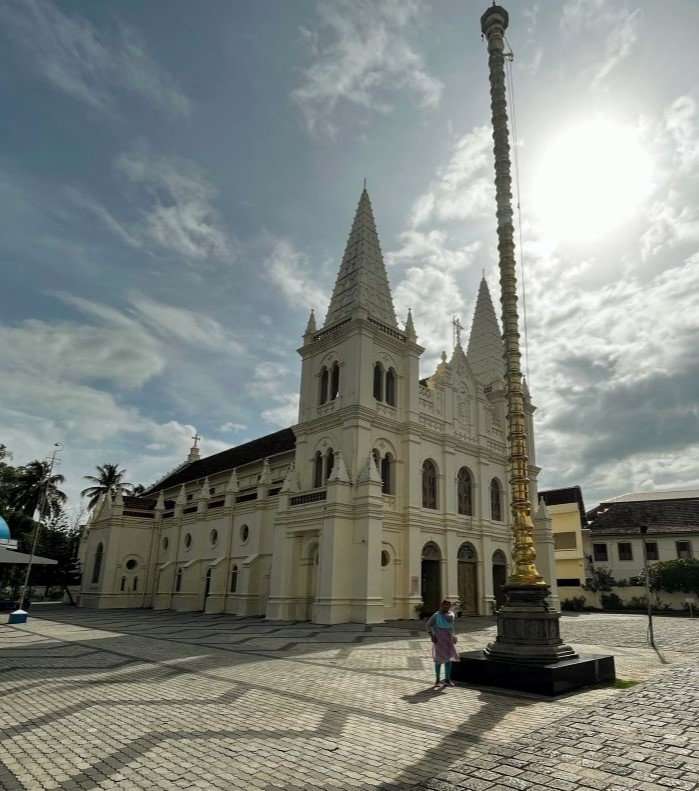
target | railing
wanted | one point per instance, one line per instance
(330, 330)
(311, 497)
(394, 333)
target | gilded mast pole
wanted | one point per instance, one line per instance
(493, 24)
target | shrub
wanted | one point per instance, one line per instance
(638, 603)
(611, 601)
(576, 604)
(599, 580)
(675, 575)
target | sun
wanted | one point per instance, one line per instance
(591, 179)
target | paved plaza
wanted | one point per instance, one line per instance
(137, 699)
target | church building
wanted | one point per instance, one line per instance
(389, 493)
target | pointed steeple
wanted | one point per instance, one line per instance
(362, 282)
(485, 347)
(410, 327)
(311, 328)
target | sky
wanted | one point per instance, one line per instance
(177, 186)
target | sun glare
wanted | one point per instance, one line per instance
(591, 179)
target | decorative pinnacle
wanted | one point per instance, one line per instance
(495, 15)
(410, 327)
(311, 326)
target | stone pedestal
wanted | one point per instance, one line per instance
(528, 628)
(528, 654)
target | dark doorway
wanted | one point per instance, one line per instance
(207, 586)
(431, 582)
(499, 577)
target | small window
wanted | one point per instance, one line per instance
(464, 491)
(123, 583)
(190, 497)
(684, 550)
(429, 484)
(625, 550)
(387, 474)
(244, 533)
(496, 500)
(652, 550)
(213, 537)
(166, 542)
(329, 462)
(318, 470)
(599, 552)
(335, 382)
(212, 490)
(378, 382)
(385, 557)
(234, 579)
(178, 581)
(131, 564)
(391, 387)
(324, 384)
(97, 567)
(135, 584)
(564, 541)
(188, 540)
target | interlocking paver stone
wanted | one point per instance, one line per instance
(136, 699)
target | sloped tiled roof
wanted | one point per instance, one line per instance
(661, 516)
(570, 494)
(272, 444)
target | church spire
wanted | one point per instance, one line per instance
(485, 347)
(362, 282)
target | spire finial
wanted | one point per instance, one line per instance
(410, 327)
(458, 326)
(194, 450)
(364, 183)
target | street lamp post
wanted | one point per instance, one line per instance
(646, 574)
(37, 529)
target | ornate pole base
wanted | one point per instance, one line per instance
(528, 629)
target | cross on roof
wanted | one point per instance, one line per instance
(196, 439)
(458, 326)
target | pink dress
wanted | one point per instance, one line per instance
(441, 625)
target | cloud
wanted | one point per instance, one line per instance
(86, 202)
(463, 189)
(182, 218)
(292, 273)
(617, 22)
(186, 326)
(285, 413)
(92, 66)
(230, 426)
(271, 383)
(362, 54)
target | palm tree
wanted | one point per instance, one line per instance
(108, 479)
(28, 490)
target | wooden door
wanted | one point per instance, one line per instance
(431, 587)
(468, 588)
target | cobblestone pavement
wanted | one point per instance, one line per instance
(137, 700)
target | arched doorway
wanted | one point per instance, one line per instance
(431, 577)
(312, 580)
(387, 577)
(499, 577)
(468, 579)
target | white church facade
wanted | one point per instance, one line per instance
(389, 494)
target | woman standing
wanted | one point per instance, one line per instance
(441, 629)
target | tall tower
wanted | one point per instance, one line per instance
(528, 628)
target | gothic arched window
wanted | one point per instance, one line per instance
(335, 382)
(135, 584)
(323, 385)
(234, 579)
(429, 484)
(496, 500)
(329, 462)
(391, 387)
(178, 581)
(318, 470)
(387, 474)
(378, 382)
(464, 492)
(97, 567)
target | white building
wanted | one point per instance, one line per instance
(388, 494)
(614, 540)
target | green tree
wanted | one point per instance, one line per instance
(34, 484)
(110, 479)
(675, 575)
